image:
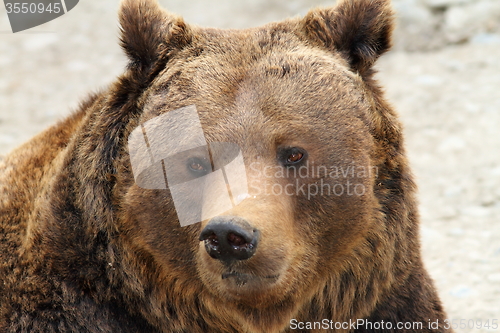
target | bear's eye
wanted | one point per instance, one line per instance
(295, 157)
(291, 155)
(197, 166)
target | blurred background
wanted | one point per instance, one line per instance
(443, 77)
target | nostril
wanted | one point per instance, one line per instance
(212, 238)
(236, 240)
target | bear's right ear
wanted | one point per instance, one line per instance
(359, 29)
(149, 33)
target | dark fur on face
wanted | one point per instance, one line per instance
(83, 248)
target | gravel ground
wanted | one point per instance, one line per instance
(448, 100)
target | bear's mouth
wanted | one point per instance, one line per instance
(241, 279)
(237, 274)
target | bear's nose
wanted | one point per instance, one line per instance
(230, 238)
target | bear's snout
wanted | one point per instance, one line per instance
(230, 238)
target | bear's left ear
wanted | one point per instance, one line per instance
(359, 29)
(148, 33)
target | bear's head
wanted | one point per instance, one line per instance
(262, 165)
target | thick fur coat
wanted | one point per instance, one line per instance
(83, 248)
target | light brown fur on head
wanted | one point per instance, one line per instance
(85, 248)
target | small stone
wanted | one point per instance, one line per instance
(77, 66)
(461, 291)
(451, 143)
(495, 277)
(476, 211)
(429, 80)
(486, 39)
(40, 41)
(444, 3)
(457, 231)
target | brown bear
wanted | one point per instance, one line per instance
(229, 181)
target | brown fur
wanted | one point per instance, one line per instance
(84, 249)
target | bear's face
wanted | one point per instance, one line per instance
(302, 119)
